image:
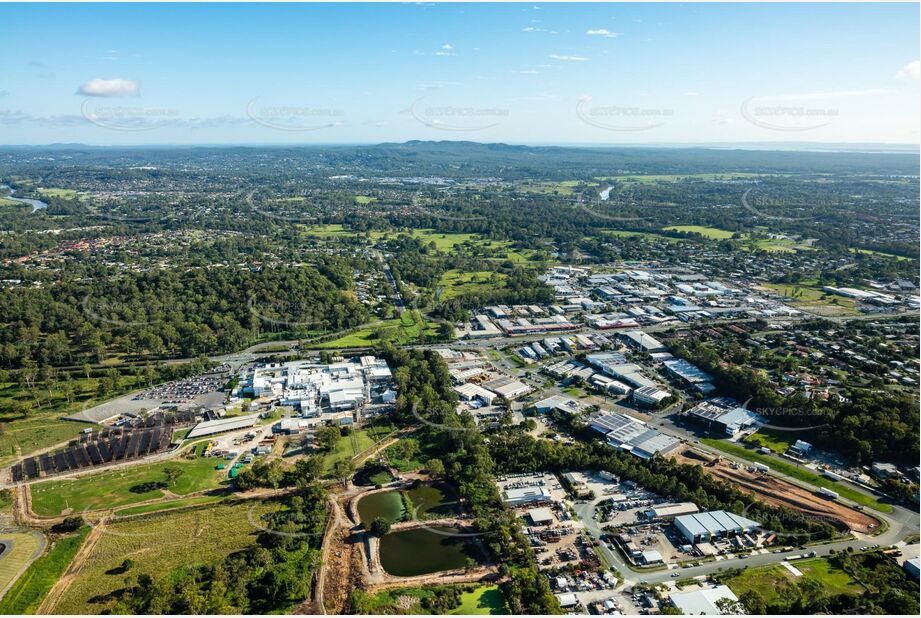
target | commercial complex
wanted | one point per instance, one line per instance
(703, 527)
(632, 435)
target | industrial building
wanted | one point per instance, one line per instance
(517, 496)
(650, 396)
(641, 341)
(698, 602)
(210, 428)
(633, 435)
(690, 374)
(704, 527)
(557, 402)
(469, 392)
(508, 388)
(723, 416)
(671, 510)
(330, 392)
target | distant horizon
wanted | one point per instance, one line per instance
(865, 147)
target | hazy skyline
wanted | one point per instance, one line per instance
(520, 73)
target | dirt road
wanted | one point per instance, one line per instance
(778, 492)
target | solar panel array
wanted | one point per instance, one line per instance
(95, 449)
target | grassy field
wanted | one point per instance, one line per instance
(364, 199)
(159, 544)
(6, 202)
(483, 600)
(169, 504)
(408, 328)
(43, 426)
(766, 580)
(24, 436)
(353, 444)
(123, 487)
(62, 193)
(900, 258)
(29, 590)
(792, 470)
(815, 299)
(777, 441)
(478, 600)
(396, 458)
(24, 546)
(456, 283)
(443, 241)
(714, 233)
(643, 235)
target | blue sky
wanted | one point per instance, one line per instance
(521, 73)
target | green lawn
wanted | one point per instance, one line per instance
(364, 199)
(113, 488)
(767, 580)
(714, 233)
(833, 579)
(159, 544)
(792, 470)
(777, 441)
(29, 590)
(483, 600)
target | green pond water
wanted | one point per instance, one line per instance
(386, 504)
(429, 499)
(419, 551)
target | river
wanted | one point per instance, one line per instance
(35, 204)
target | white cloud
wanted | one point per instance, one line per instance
(447, 46)
(110, 88)
(568, 58)
(603, 32)
(444, 53)
(912, 70)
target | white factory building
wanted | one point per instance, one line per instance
(315, 388)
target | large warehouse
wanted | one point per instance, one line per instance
(633, 435)
(703, 527)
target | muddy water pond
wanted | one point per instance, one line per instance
(420, 551)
